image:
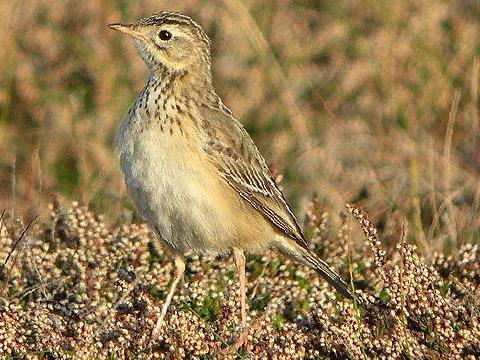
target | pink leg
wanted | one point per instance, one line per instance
(240, 262)
(179, 270)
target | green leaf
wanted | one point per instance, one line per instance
(384, 296)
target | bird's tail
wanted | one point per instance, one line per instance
(328, 274)
(306, 256)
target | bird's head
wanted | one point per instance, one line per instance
(171, 41)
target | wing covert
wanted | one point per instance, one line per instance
(240, 163)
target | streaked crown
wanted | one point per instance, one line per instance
(170, 40)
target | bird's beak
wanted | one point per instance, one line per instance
(129, 29)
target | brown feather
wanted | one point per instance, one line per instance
(240, 163)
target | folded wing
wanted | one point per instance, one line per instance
(239, 162)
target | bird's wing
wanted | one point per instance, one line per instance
(239, 162)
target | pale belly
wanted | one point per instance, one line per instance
(179, 194)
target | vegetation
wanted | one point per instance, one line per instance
(368, 102)
(77, 288)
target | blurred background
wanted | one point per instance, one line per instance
(373, 102)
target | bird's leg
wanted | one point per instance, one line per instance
(240, 263)
(179, 270)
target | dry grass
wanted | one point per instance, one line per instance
(374, 103)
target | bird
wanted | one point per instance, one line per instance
(191, 169)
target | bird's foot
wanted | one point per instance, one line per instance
(242, 340)
(158, 326)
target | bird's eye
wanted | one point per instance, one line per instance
(165, 35)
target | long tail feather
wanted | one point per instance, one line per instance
(332, 277)
(305, 255)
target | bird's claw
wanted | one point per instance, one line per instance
(157, 328)
(242, 340)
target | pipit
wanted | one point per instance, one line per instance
(192, 170)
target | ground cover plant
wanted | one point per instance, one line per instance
(78, 288)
